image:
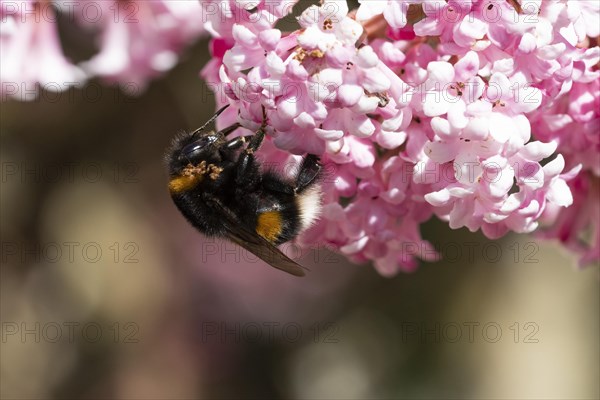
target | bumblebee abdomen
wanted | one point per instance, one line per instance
(269, 225)
(278, 220)
(309, 206)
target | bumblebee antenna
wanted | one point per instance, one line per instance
(210, 121)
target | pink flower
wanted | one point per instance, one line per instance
(479, 149)
(30, 53)
(394, 11)
(142, 39)
(219, 16)
(577, 227)
(381, 223)
(450, 90)
(316, 85)
(571, 117)
(456, 114)
(139, 40)
(444, 18)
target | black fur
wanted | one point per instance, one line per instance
(242, 188)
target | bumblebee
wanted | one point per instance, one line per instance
(220, 188)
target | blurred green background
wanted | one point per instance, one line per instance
(107, 292)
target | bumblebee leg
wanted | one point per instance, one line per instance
(247, 170)
(258, 137)
(248, 173)
(229, 129)
(256, 141)
(235, 143)
(309, 170)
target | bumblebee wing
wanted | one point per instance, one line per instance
(254, 243)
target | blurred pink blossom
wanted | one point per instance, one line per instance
(139, 40)
(30, 52)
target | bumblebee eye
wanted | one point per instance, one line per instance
(194, 149)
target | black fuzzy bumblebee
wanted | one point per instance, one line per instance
(218, 185)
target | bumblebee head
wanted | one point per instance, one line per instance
(194, 156)
(201, 148)
(193, 148)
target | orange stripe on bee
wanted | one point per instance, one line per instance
(184, 183)
(269, 225)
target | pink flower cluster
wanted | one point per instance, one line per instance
(482, 112)
(137, 40)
